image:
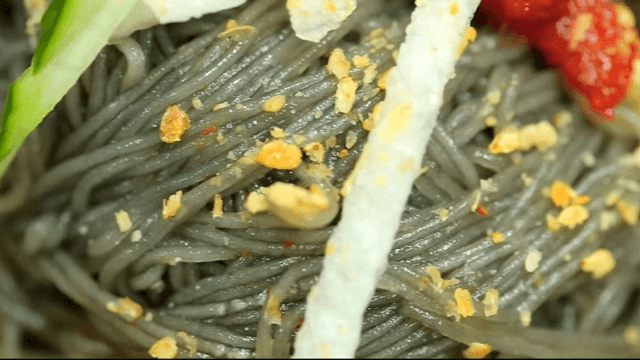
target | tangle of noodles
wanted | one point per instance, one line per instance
(236, 283)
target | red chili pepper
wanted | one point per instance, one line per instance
(589, 40)
(209, 130)
(482, 210)
(288, 243)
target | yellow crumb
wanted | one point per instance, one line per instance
(451, 310)
(497, 237)
(562, 118)
(331, 141)
(477, 350)
(190, 342)
(525, 318)
(171, 206)
(569, 217)
(256, 203)
(581, 200)
(350, 139)
(505, 141)
(532, 260)
(628, 211)
(330, 6)
(123, 221)
(580, 25)
(272, 308)
(342, 153)
(454, 8)
(491, 302)
(491, 121)
(360, 61)
(277, 133)
(217, 205)
(279, 155)
(299, 138)
(126, 307)
(438, 283)
(526, 179)
(315, 151)
(442, 213)
(469, 36)
(370, 73)
(346, 94)
(607, 220)
(632, 335)
(338, 64)
(464, 302)
(222, 105)
(236, 31)
(599, 263)
(541, 135)
(274, 103)
(612, 198)
(369, 123)
(165, 348)
(494, 97)
(173, 125)
(561, 193)
(382, 79)
(196, 102)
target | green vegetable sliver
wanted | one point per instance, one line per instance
(73, 32)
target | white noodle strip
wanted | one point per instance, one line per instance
(357, 252)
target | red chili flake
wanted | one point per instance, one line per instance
(209, 130)
(288, 243)
(482, 210)
(300, 322)
(245, 253)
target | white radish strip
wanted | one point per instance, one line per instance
(356, 254)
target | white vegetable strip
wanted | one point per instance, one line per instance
(356, 254)
(313, 19)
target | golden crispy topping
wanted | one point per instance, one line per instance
(173, 125)
(569, 217)
(315, 151)
(338, 64)
(470, 35)
(123, 221)
(217, 205)
(277, 133)
(171, 206)
(236, 31)
(497, 237)
(361, 61)
(491, 302)
(464, 302)
(274, 103)
(279, 155)
(477, 350)
(165, 348)
(599, 263)
(382, 79)
(532, 260)
(346, 94)
(126, 307)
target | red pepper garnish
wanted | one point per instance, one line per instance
(591, 41)
(245, 253)
(288, 243)
(482, 210)
(209, 130)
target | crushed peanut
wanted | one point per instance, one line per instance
(123, 221)
(125, 307)
(174, 124)
(274, 103)
(338, 64)
(525, 318)
(628, 211)
(439, 284)
(382, 79)
(541, 135)
(477, 350)
(569, 217)
(464, 302)
(221, 105)
(370, 73)
(632, 335)
(346, 94)
(171, 206)
(599, 263)
(491, 302)
(279, 155)
(165, 348)
(237, 32)
(217, 205)
(315, 151)
(470, 35)
(532, 260)
(360, 61)
(442, 213)
(497, 237)
(277, 133)
(196, 102)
